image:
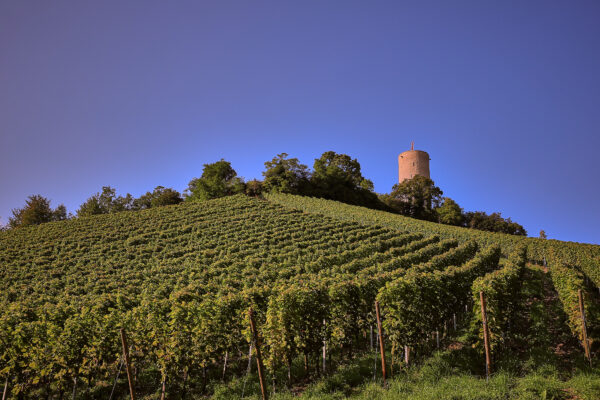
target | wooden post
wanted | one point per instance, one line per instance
(454, 321)
(381, 346)
(259, 364)
(225, 365)
(586, 344)
(5, 389)
(324, 349)
(486, 339)
(74, 388)
(127, 366)
(163, 389)
(406, 355)
(437, 339)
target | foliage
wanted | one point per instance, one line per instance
(567, 282)
(181, 279)
(338, 177)
(218, 179)
(449, 213)
(416, 304)
(254, 188)
(159, 197)
(415, 197)
(501, 291)
(285, 175)
(492, 223)
(36, 211)
(106, 202)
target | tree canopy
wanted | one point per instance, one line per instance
(416, 197)
(159, 197)
(338, 177)
(493, 223)
(218, 179)
(105, 202)
(285, 175)
(36, 211)
(449, 213)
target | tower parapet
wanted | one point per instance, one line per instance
(413, 162)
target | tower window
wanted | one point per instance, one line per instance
(413, 163)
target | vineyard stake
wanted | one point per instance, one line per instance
(74, 388)
(454, 320)
(324, 350)
(486, 340)
(437, 339)
(127, 366)
(381, 345)
(261, 377)
(586, 344)
(406, 355)
(225, 365)
(5, 389)
(163, 389)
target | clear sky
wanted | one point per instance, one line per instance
(505, 97)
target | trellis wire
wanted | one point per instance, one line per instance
(247, 369)
(116, 379)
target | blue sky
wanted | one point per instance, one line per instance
(504, 96)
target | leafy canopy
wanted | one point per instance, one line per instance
(161, 196)
(285, 175)
(416, 197)
(36, 211)
(218, 179)
(449, 213)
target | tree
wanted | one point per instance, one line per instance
(254, 188)
(283, 175)
(449, 213)
(493, 223)
(338, 177)
(161, 196)
(416, 197)
(218, 179)
(106, 202)
(36, 211)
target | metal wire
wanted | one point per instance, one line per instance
(248, 369)
(116, 378)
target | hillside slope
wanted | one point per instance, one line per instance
(180, 280)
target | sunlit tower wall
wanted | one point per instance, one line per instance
(413, 162)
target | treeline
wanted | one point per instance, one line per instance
(333, 176)
(420, 198)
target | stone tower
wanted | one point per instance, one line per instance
(413, 162)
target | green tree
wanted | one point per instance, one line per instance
(285, 175)
(338, 177)
(36, 211)
(416, 197)
(449, 213)
(493, 223)
(106, 202)
(159, 197)
(254, 187)
(218, 179)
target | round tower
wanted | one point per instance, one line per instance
(413, 162)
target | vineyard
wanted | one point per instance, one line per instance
(180, 281)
